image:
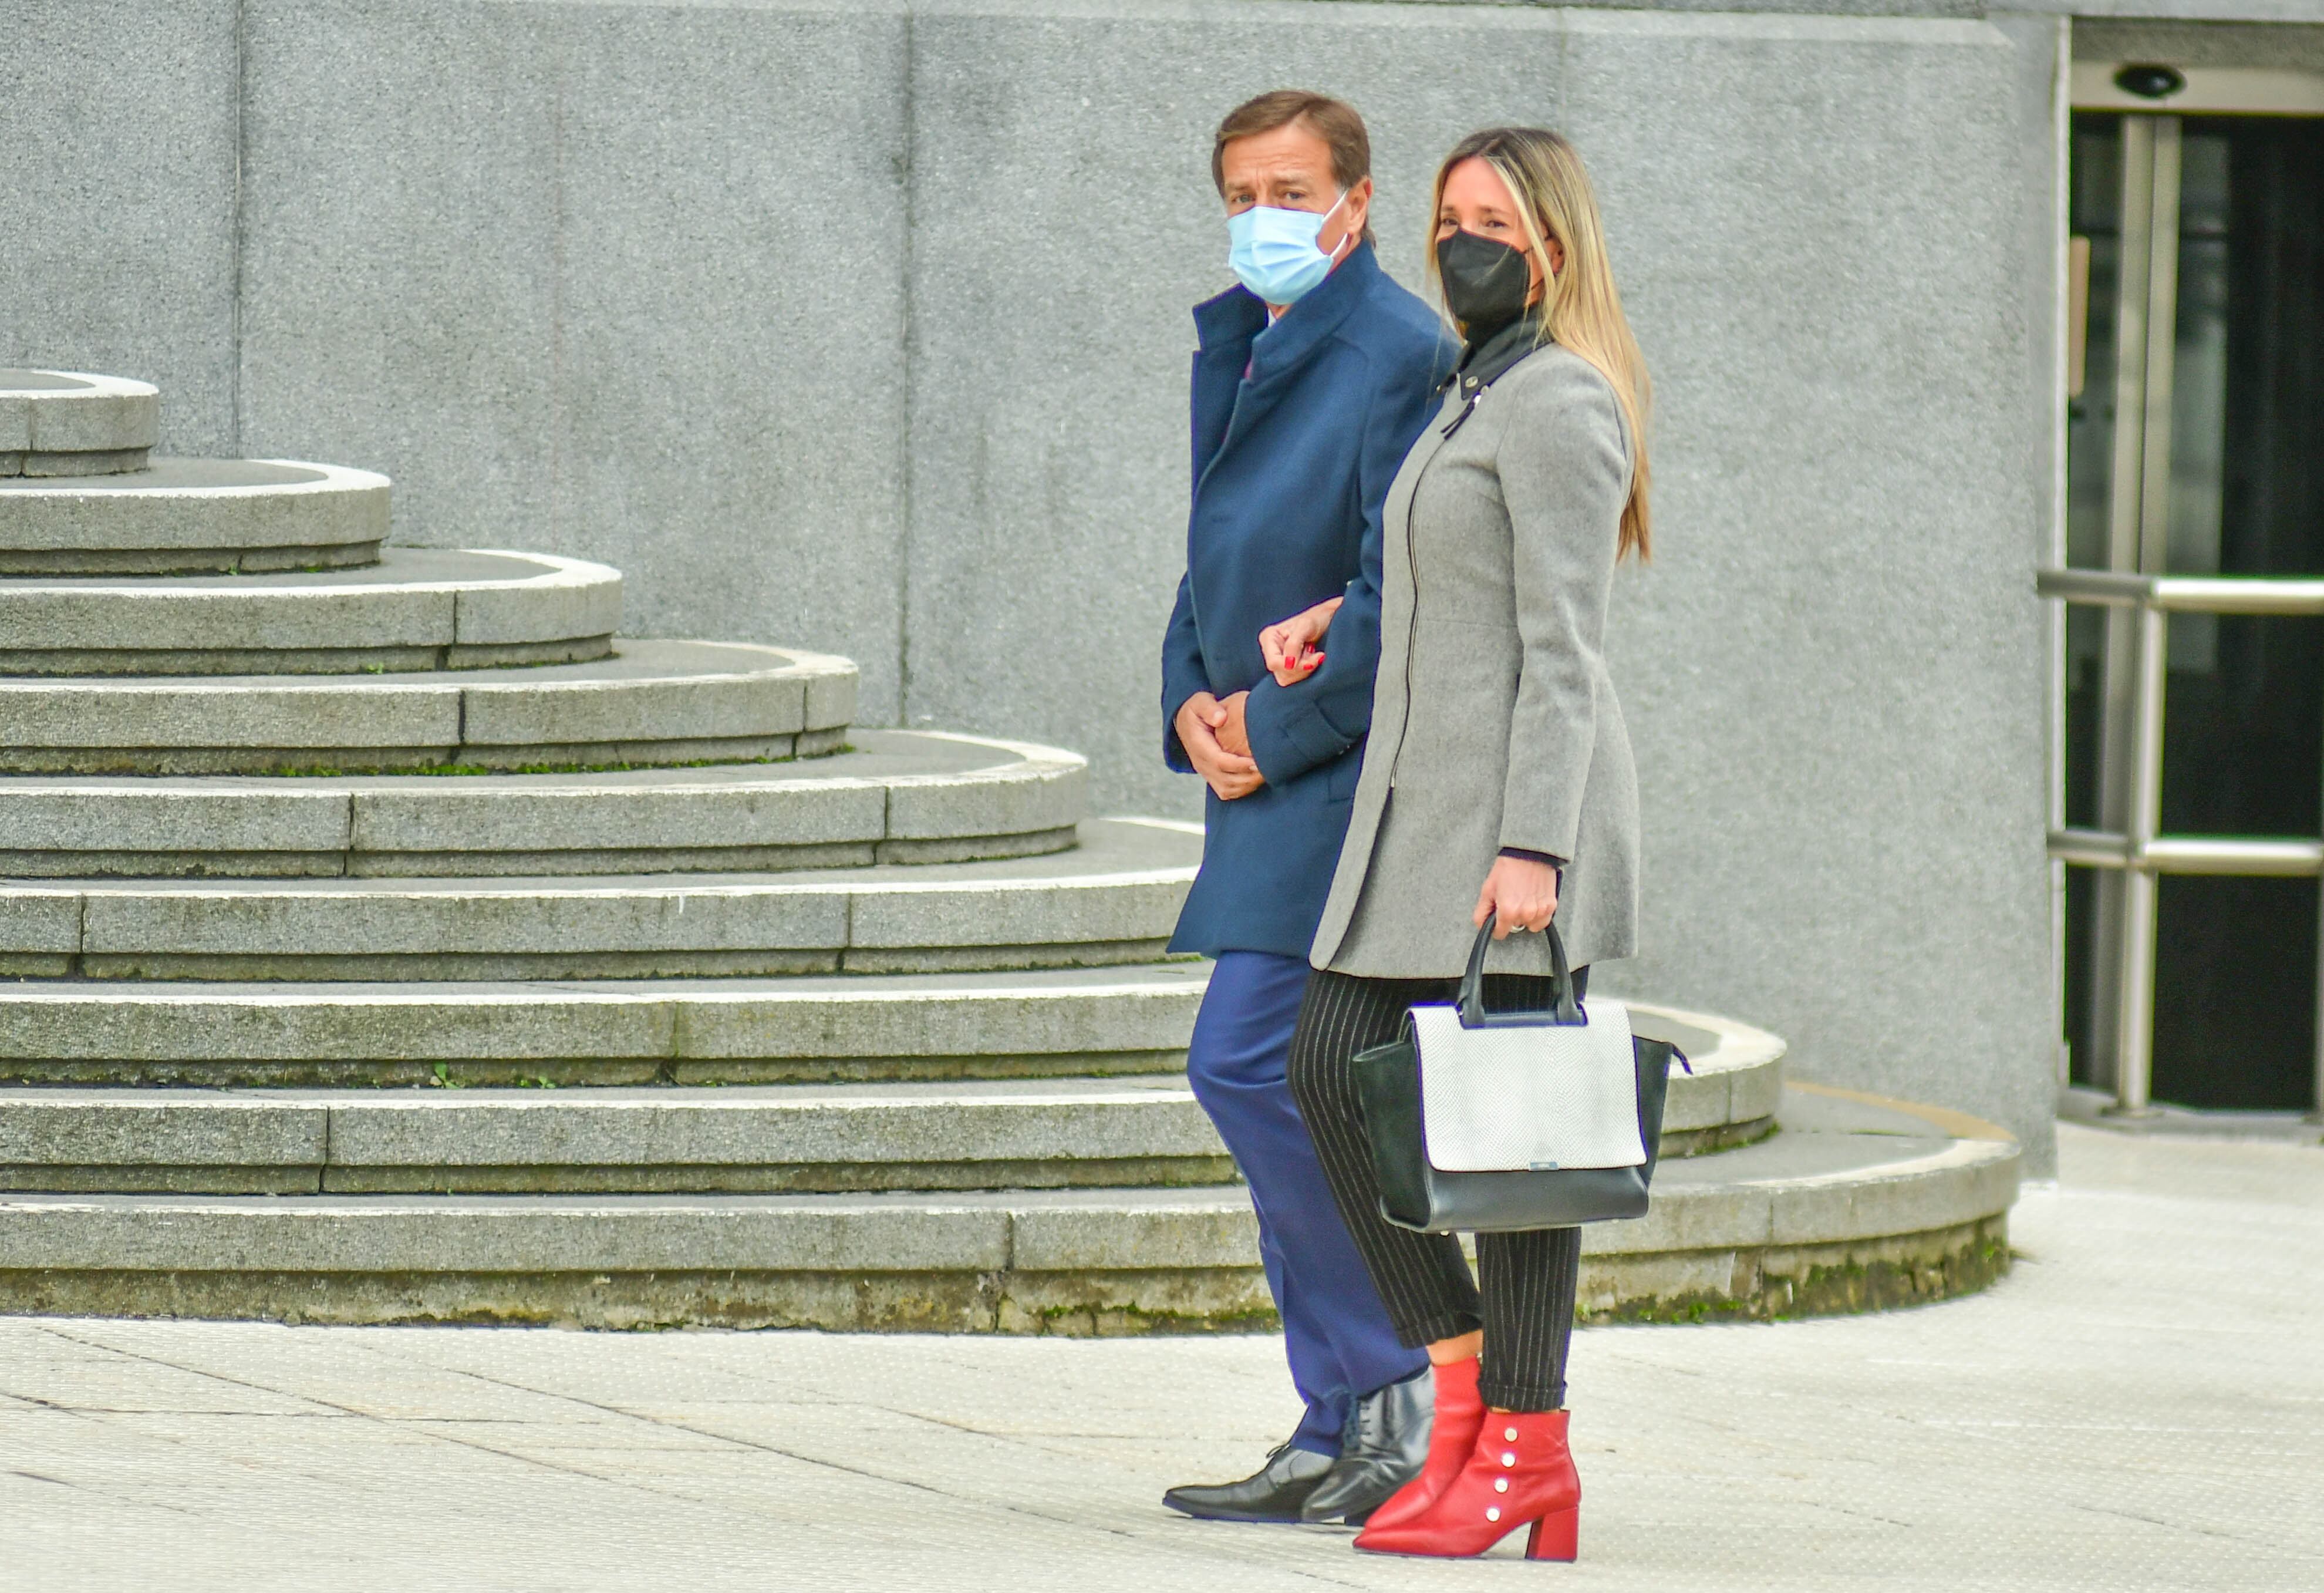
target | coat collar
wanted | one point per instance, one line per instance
(1236, 338)
(1481, 364)
(1230, 321)
(1236, 320)
(1305, 327)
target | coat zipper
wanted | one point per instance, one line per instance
(1411, 629)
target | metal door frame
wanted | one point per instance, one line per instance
(2127, 846)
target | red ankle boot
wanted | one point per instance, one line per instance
(1452, 1435)
(1520, 1473)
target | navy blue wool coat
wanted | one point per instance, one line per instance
(1292, 464)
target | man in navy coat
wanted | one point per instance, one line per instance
(1312, 380)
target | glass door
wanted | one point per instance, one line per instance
(2195, 446)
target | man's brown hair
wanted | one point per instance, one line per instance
(1334, 120)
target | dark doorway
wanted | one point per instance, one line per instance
(2235, 980)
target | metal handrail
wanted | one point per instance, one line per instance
(2189, 854)
(2186, 594)
(2140, 852)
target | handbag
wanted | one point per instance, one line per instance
(1487, 1122)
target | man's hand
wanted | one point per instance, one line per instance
(1232, 730)
(1520, 893)
(1290, 646)
(1229, 774)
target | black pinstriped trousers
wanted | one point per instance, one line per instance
(1523, 1295)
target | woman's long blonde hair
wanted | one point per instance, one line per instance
(1581, 308)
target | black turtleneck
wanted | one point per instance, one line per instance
(1492, 350)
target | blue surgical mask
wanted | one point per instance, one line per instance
(1274, 251)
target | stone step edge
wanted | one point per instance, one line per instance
(509, 724)
(106, 426)
(1078, 1261)
(1082, 1132)
(1034, 1230)
(1020, 913)
(378, 826)
(1729, 1092)
(350, 1141)
(135, 521)
(567, 611)
(1135, 1019)
(652, 1033)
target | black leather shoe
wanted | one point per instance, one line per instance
(1383, 1447)
(1273, 1493)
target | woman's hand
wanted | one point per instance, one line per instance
(1229, 774)
(1520, 895)
(1288, 646)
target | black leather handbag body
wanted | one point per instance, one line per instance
(1498, 1179)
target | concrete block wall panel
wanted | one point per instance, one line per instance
(117, 226)
(1834, 669)
(2038, 43)
(617, 280)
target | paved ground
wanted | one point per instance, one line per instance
(2137, 1406)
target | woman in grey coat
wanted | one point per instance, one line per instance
(1497, 784)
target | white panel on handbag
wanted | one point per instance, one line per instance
(1527, 1097)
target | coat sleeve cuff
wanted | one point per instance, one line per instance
(1287, 737)
(1529, 837)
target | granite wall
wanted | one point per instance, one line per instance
(863, 327)
(119, 126)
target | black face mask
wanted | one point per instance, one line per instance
(1485, 282)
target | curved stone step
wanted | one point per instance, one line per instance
(681, 1031)
(649, 702)
(1113, 899)
(922, 1134)
(1729, 1096)
(418, 609)
(64, 424)
(968, 1133)
(1859, 1203)
(189, 516)
(897, 796)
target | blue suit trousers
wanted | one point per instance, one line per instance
(1336, 1332)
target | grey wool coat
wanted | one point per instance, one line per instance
(1494, 723)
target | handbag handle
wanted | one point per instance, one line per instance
(1564, 1009)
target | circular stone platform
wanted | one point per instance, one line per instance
(896, 796)
(1112, 898)
(648, 702)
(1729, 1096)
(418, 609)
(63, 423)
(183, 517)
(912, 1027)
(1857, 1202)
(1863, 1203)
(1034, 1164)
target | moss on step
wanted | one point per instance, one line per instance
(1774, 1282)
(1779, 1281)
